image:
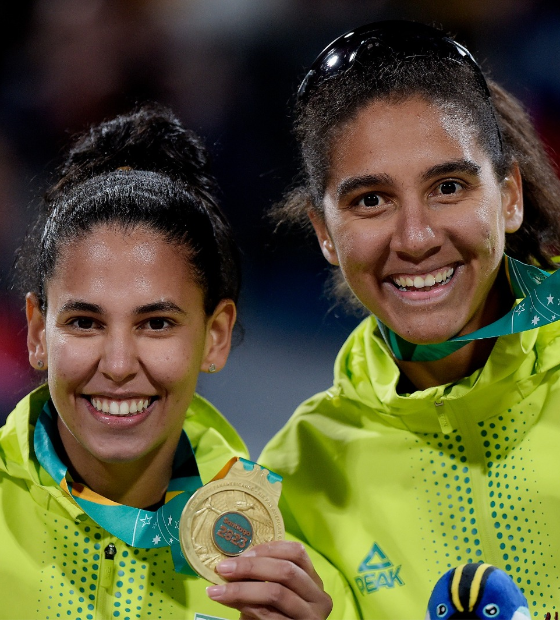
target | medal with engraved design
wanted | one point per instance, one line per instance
(235, 511)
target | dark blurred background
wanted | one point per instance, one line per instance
(229, 69)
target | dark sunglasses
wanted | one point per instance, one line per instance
(371, 42)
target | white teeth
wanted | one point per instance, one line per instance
(430, 280)
(120, 407)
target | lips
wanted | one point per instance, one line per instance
(120, 407)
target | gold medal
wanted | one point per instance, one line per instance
(235, 511)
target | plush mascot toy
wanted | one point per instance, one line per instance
(477, 591)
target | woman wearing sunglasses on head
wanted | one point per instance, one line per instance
(433, 197)
(133, 276)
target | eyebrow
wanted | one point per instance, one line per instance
(77, 305)
(369, 180)
(159, 306)
(452, 167)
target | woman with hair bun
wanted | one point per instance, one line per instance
(435, 201)
(132, 278)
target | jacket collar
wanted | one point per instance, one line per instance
(366, 372)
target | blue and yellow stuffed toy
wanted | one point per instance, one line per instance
(477, 591)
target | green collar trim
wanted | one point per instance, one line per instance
(137, 527)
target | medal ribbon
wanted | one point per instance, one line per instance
(271, 476)
(137, 527)
(540, 306)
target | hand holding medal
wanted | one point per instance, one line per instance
(237, 510)
(231, 533)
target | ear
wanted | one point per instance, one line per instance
(218, 335)
(512, 199)
(36, 333)
(325, 242)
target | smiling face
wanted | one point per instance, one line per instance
(416, 219)
(124, 338)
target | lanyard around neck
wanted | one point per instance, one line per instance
(540, 306)
(136, 527)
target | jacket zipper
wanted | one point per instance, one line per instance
(106, 571)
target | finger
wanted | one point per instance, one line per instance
(260, 600)
(259, 612)
(254, 569)
(267, 600)
(252, 613)
(279, 563)
(286, 550)
(285, 572)
(256, 612)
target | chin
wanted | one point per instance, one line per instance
(433, 331)
(119, 456)
(430, 338)
(119, 459)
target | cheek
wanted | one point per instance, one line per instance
(174, 363)
(491, 225)
(481, 231)
(70, 359)
(358, 248)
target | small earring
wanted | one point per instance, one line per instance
(212, 367)
(40, 364)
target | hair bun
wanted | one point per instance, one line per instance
(150, 138)
(144, 169)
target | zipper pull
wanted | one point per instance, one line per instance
(108, 566)
(444, 423)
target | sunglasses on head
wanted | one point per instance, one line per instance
(374, 41)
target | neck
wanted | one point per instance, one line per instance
(141, 483)
(464, 361)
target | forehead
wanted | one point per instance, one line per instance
(110, 261)
(412, 132)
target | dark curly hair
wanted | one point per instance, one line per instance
(138, 169)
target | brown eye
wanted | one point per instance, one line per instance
(449, 187)
(83, 323)
(370, 200)
(157, 324)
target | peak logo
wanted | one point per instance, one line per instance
(377, 571)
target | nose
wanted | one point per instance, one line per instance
(119, 360)
(416, 235)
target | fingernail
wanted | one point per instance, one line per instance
(249, 554)
(226, 568)
(215, 592)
